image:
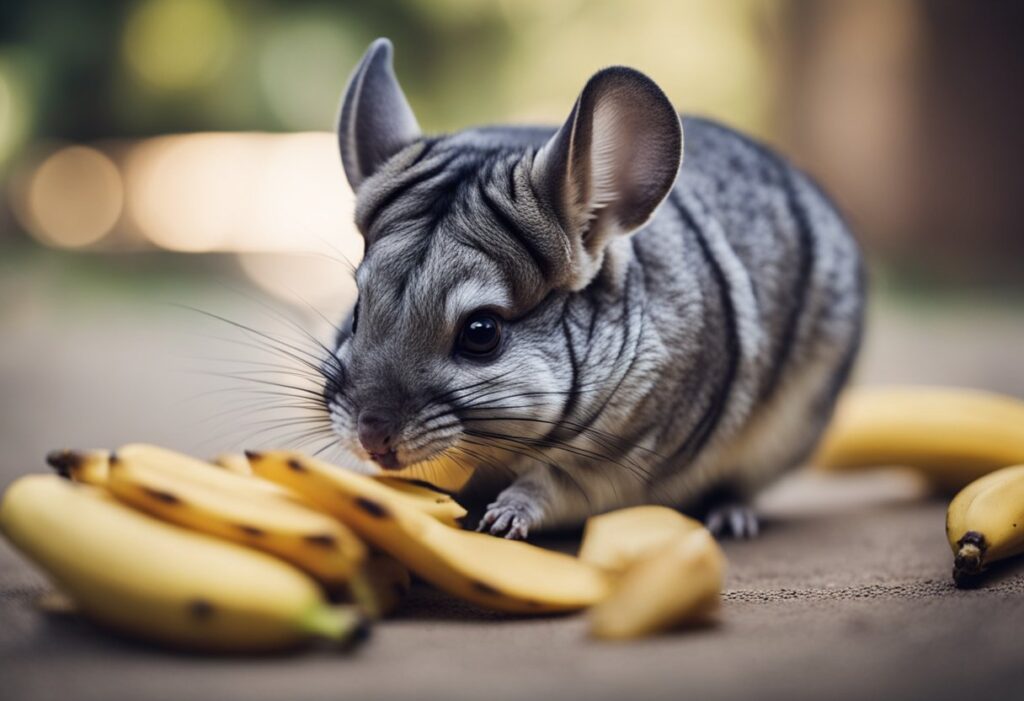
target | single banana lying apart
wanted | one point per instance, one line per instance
(163, 583)
(668, 571)
(952, 436)
(495, 573)
(985, 522)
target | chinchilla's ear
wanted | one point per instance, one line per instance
(376, 121)
(610, 165)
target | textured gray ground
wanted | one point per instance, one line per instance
(846, 594)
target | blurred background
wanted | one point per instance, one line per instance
(157, 155)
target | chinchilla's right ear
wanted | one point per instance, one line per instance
(605, 172)
(375, 121)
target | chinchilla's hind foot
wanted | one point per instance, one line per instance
(732, 520)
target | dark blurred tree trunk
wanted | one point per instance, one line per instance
(912, 114)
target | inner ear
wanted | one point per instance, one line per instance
(375, 121)
(611, 164)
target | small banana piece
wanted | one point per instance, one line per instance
(985, 522)
(617, 539)
(676, 585)
(162, 583)
(87, 466)
(184, 495)
(495, 573)
(951, 436)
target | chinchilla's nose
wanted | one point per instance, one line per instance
(376, 430)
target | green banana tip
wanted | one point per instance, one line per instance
(342, 624)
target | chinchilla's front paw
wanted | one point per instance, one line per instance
(509, 516)
(731, 520)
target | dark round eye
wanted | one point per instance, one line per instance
(480, 335)
(355, 317)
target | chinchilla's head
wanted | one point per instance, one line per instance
(473, 244)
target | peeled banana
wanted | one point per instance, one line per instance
(184, 495)
(985, 522)
(498, 574)
(952, 436)
(672, 586)
(163, 583)
(618, 539)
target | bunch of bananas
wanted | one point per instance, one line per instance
(961, 441)
(247, 552)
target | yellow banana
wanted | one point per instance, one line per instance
(88, 466)
(309, 539)
(985, 522)
(615, 540)
(175, 463)
(233, 462)
(438, 504)
(156, 581)
(678, 584)
(443, 473)
(952, 436)
(499, 574)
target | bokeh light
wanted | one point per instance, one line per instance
(14, 110)
(74, 198)
(189, 193)
(303, 67)
(178, 44)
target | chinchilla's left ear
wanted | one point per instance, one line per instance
(610, 165)
(376, 121)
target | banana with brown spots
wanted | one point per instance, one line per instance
(186, 496)
(495, 573)
(149, 579)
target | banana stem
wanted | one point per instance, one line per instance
(970, 558)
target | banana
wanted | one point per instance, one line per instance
(615, 540)
(424, 496)
(985, 522)
(233, 462)
(175, 463)
(952, 436)
(675, 585)
(309, 539)
(155, 581)
(498, 574)
(88, 466)
(443, 473)
(390, 582)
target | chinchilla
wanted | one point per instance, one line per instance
(592, 316)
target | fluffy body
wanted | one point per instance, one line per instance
(699, 360)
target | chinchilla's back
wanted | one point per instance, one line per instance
(572, 312)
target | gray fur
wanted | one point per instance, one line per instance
(650, 354)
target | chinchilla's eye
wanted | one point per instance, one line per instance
(480, 334)
(355, 318)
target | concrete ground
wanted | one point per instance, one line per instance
(846, 594)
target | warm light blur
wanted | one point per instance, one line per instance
(74, 198)
(241, 192)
